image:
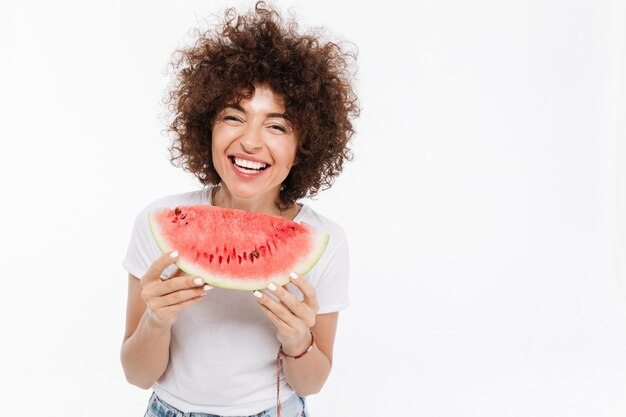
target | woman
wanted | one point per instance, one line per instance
(262, 118)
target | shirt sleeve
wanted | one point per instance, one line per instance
(333, 275)
(142, 249)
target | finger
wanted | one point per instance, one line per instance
(289, 300)
(179, 273)
(307, 290)
(169, 272)
(162, 288)
(280, 325)
(158, 266)
(189, 302)
(174, 309)
(285, 333)
(178, 297)
(278, 309)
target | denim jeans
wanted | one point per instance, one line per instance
(294, 406)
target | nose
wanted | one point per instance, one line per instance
(251, 139)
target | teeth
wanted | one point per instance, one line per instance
(248, 171)
(249, 164)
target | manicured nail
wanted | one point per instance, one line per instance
(207, 287)
(293, 275)
(271, 286)
(258, 294)
(174, 254)
(198, 281)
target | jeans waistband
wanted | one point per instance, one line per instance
(159, 408)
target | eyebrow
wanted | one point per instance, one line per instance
(241, 109)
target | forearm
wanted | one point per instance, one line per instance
(307, 374)
(145, 354)
(298, 323)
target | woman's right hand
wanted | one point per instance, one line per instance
(165, 298)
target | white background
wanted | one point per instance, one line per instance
(485, 205)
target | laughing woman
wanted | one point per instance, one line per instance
(262, 117)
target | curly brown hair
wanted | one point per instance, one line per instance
(258, 48)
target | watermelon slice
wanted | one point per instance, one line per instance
(236, 249)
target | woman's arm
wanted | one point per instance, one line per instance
(294, 321)
(152, 308)
(145, 351)
(307, 374)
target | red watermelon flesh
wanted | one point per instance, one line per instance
(236, 249)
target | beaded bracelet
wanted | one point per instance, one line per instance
(280, 354)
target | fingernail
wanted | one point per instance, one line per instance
(257, 294)
(271, 286)
(293, 275)
(207, 287)
(198, 281)
(174, 254)
(169, 271)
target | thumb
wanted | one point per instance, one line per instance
(162, 268)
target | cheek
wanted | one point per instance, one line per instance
(288, 152)
(218, 149)
(288, 157)
(216, 134)
(220, 141)
(215, 147)
(278, 149)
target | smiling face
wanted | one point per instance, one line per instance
(254, 147)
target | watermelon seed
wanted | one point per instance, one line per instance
(177, 211)
(255, 254)
(211, 256)
(183, 216)
(220, 259)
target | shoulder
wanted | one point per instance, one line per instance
(330, 276)
(142, 249)
(188, 198)
(171, 201)
(335, 230)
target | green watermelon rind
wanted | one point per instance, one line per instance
(320, 242)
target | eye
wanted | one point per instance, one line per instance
(279, 128)
(231, 118)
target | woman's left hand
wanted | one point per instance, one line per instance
(293, 319)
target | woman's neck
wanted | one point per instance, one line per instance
(222, 197)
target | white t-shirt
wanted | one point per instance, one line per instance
(223, 348)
